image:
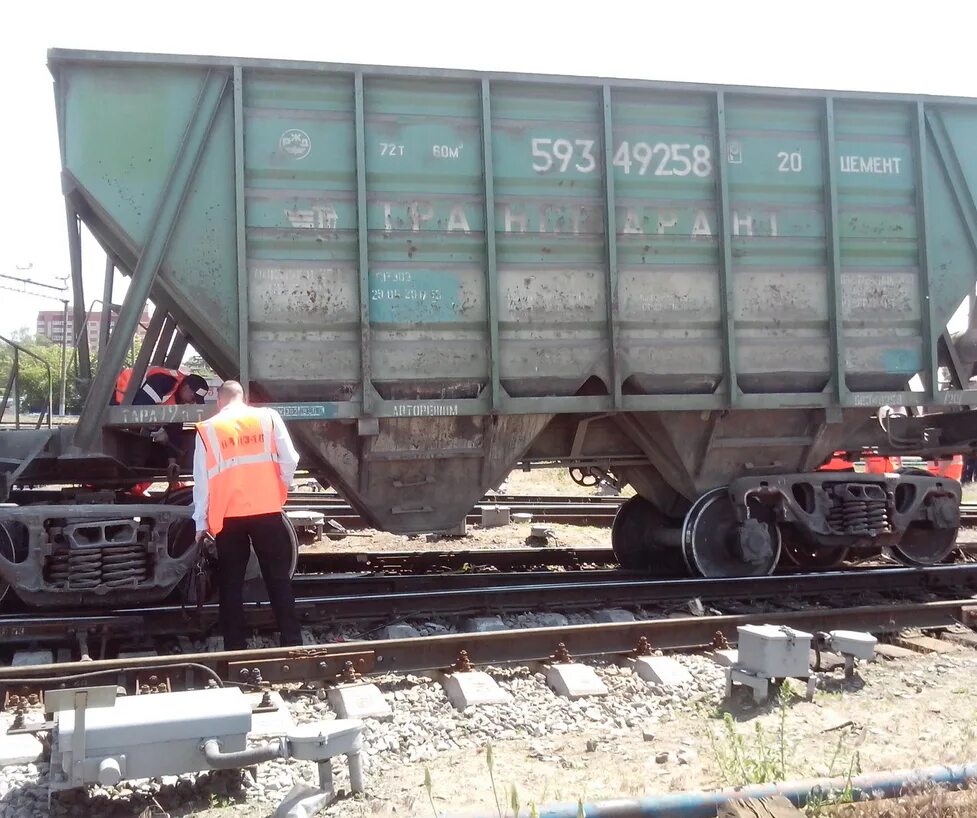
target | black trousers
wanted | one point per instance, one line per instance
(267, 534)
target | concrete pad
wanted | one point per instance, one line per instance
(359, 701)
(575, 681)
(887, 651)
(23, 748)
(495, 516)
(484, 624)
(662, 670)
(473, 688)
(400, 632)
(609, 615)
(726, 657)
(926, 644)
(272, 723)
(26, 658)
(965, 638)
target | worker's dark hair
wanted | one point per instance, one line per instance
(198, 386)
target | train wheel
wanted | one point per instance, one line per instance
(634, 542)
(715, 544)
(812, 557)
(921, 545)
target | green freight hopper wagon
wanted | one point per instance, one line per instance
(438, 275)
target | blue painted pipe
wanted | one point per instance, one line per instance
(698, 804)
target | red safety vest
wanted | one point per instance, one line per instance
(242, 466)
(122, 382)
(947, 467)
(874, 464)
(838, 463)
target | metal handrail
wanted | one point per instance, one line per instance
(13, 382)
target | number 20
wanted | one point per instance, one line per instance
(790, 162)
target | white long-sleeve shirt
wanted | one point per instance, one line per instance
(288, 460)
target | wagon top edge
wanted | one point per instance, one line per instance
(58, 57)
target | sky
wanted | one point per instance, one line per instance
(853, 45)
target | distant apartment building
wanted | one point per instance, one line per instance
(50, 325)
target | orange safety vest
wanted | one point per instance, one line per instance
(874, 464)
(952, 467)
(168, 399)
(838, 463)
(242, 466)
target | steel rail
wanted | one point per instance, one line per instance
(326, 662)
(622, 581)
(361, 607)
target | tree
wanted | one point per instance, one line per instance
(199, 366)
(37, 381)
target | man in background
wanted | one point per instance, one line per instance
(163, 387)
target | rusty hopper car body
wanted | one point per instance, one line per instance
(437, 275)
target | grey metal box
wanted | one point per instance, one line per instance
(157, 734)
(774, 651)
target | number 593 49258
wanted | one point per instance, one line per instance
(659, 158)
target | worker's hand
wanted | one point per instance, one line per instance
(200, 536)
(160, 436)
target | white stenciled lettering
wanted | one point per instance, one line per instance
(391, 149)
(515, 222)
(560, 153)
(420, 213)
(745, 223)
(425, 410)
(409, 294)
(392, 277)
(663, 159)
(790, 162)
(298, 410)
(320, 217)
(446, 151)
(458, 220)
(665, 221)
(632, 221)
(881, 165)
(700, 227)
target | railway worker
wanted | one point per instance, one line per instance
(242, 466)
(163, 387)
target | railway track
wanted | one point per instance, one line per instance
(329, 663)
(368, 600)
